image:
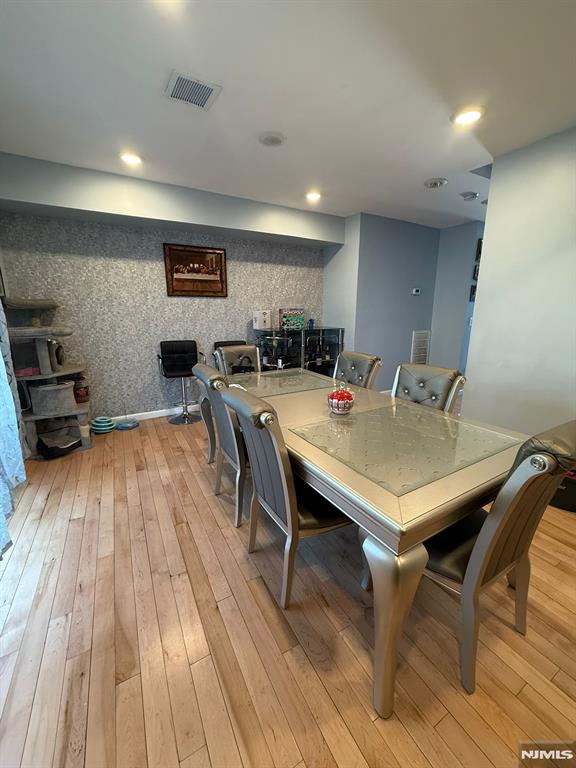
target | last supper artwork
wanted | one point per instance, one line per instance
(194, 271)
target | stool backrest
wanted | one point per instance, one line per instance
(178, 357)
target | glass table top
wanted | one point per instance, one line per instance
(283, 382)
(403, 447)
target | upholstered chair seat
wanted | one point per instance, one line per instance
(357, 368)
(314, 511)
(428, 385)
(449, 551)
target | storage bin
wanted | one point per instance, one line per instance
(53, 399)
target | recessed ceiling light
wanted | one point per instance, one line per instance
(313, 196)
(468, 116)
(435, 182)
(271, 139)
(130, 159)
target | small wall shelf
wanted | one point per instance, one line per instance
(30, 304)
(81, 410)
(30, 332)
(66, 370)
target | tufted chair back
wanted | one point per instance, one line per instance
(428, 385)
(357, 368)
(228, 433)
(539, 468)
(271, 468)
(237, 358)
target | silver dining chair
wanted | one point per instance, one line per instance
(297, 509)
(207, 418)
(230, 446)
(357, 368)
(471, 554)
(237, 358)
(428, 385)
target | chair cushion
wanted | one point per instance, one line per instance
(314, 511)
(449, 551)
(425, 384)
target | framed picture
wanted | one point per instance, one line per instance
(192, 271)
(479, 249)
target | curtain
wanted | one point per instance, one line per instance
(12, 471)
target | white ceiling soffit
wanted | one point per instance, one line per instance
(362, 91)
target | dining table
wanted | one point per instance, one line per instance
(401, 471)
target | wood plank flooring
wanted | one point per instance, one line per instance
(136, 631)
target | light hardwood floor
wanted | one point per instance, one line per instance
(136, 631)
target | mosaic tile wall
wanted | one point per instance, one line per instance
(110, 282)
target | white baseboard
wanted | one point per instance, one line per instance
(155, 414)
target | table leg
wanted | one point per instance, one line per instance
(395, 579)
(366, 578)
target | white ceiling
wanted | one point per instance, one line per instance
(363, 91)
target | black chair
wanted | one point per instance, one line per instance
(177, 358)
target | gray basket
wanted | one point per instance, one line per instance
(53, 399)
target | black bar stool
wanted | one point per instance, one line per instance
(177, 358)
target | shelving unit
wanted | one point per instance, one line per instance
(66, 370)
(82, 410)
(27, 332)
(315, 349)
(34, 340)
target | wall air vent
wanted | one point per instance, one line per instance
(420, 347)
(191, 90)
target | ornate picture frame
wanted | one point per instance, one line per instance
(195, 271)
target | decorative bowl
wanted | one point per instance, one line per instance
(341, 400)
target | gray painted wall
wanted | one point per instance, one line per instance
(341, 282)
(395, 256)
(111, 285)
(522, 359)
(456, 256)
(25, 181)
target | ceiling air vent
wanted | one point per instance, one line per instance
(191, 90)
